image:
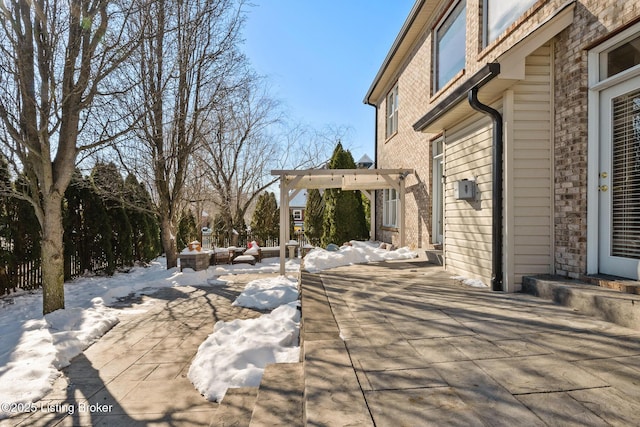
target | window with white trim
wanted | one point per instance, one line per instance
(390, 208)
(392, 112)
(297, 215)
(450, 45)
(498, 15)
(621, 57)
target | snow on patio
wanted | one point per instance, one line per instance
(34, 347)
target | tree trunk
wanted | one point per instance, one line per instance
(169, 242)
(52, 256)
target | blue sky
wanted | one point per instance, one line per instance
(321, 56)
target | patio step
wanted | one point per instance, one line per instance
(332, 393)
(607, 304)
(236, 407)
(280, 396)
(615, 283)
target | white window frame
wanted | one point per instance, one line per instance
(437, 191)
(457, 10)
(390, 202)
(392, 112)
(297, 214)
(512, 11)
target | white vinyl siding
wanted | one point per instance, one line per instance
(528, 183)
(468, 234)
(528, 171)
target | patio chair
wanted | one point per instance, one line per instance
(220, 256)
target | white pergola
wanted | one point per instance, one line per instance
(365, 180)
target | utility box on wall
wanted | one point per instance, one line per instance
(465, 189)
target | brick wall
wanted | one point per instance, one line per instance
(409, 149)
(593, 19)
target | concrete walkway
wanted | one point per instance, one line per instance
(136, 374)
(402, 344)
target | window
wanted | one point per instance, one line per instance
(499, 14)
(297, 215)
(390, 208)
(450, 42)
(619, 58)
(392, 112)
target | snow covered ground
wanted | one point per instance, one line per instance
(34, 347)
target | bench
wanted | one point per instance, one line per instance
(244, 259)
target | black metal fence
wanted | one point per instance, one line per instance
(27, 275)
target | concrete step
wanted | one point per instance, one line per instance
(613, 282)
(280, 396)
(608, 304)
(236, 408)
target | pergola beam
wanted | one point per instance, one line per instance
(366, 180)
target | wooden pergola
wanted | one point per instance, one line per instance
(365, 180)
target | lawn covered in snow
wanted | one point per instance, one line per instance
(34, 347)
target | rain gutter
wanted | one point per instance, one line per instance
(497, 188)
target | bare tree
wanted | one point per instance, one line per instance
(186, 65)
(239, 151)
(55, 61)
(247, 138)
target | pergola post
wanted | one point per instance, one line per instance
(284, 220)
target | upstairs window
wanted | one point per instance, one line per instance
(392, 112)
(499, 14)
(450, 45)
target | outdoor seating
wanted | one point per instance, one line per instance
(244, 259)
(220, 256)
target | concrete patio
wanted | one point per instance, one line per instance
(402, 344)
(389, 344)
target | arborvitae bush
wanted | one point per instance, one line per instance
(265, 223)
(344, 218)
(313, 216)
(187, 231)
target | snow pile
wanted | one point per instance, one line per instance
(474, 283)
(237, 352)
(356, 253)
(268, 293)
(33, 352)
(33, 347)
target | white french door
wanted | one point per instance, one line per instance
(437, 192)
(619, 180)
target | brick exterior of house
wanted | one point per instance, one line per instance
(593, 21)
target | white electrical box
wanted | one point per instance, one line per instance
(465, 189)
